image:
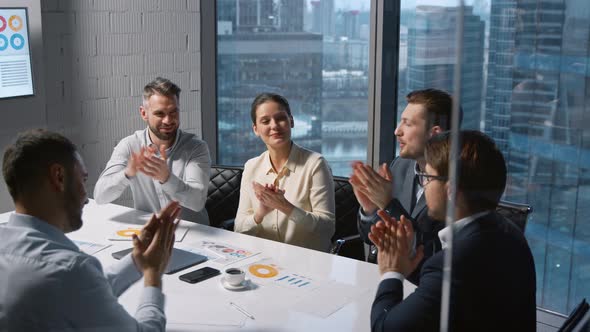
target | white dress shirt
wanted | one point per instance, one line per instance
(189, 163)
(308, 185)
(444, 233)
(47, 284)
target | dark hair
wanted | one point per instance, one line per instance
(481, 167)
(268, 96)
(161, 86)
(438, 105)
(27, 161)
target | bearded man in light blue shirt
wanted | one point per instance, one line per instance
(46, 282)
(160, 163)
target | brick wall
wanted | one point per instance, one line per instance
(98, 55)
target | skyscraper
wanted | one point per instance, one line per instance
(291, 15)
(323, 17)
(248, 15)
(432, 56)
(351, 24)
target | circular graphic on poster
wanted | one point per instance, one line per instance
(17, 41)
(15, 23)
(2, 23)
(3, 42)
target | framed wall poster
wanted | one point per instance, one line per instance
(16, 77)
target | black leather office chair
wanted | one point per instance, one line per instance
(346, 240)
(578, 320)
(515, 212)
(223, 195)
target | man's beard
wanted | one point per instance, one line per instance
(163, 136)
(72, 207)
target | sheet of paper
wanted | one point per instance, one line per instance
(218, 313)
(126, 233)
(90, 248)
(204, 311)
(211, 256)
(228, 254)
(299, 292)
(329, 298)
(268, 302)
(267, 271)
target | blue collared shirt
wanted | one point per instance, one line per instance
(48, 284)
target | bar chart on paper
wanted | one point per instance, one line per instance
(15, 55)
(295, 281)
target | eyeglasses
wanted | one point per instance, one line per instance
(425, 178)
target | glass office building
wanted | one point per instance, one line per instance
(432, 56)
(537, 110)
(315, 55)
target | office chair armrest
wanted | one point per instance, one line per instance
(347, 240)
(228, 224)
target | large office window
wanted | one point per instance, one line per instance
(525, 82)
(315, 53)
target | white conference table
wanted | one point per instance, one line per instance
(341, 302)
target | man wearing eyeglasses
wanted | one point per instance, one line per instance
(492, 286)
(397, 189)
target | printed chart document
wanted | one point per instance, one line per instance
(90, 248)
(126, 233)
(211, 256)
(227, 253)
(296, 291)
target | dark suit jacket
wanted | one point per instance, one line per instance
(426, 229)
(493, 285)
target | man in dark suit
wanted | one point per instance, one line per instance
(493, 274)
(397, 190)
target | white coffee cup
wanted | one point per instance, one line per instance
(234, 276)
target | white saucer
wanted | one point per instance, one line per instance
(244, 285)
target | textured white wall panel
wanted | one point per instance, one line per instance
(98, 55)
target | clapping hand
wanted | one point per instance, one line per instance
(147, 162)
(154, 166)
(372, 189)
(270, 198)
(153, 247)
(394, 243)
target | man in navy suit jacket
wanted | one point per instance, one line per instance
(493, 273)
(396, 189)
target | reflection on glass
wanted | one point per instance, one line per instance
(525, 82)
(315, 53)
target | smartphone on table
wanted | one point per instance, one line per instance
(201, 274)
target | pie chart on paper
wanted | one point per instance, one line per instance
(263, 270)
(129, 232)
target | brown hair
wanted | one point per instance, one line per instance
(267, 96)
(27, 161)
(438, 105)
(481, 167)
(161, 86)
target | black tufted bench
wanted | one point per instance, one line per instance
(223, 197)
